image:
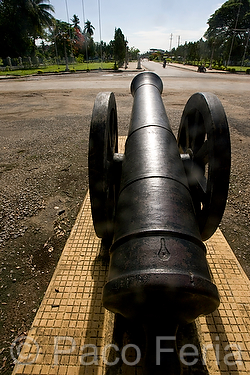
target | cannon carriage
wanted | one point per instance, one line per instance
(154, 205)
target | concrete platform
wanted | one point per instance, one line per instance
(73, 334)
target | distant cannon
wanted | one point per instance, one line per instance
(201, 69)
(154, 205)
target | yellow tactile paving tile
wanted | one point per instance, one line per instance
(71, 312)
(227, 329)
(73, 334)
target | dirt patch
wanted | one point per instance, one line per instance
(44, 179)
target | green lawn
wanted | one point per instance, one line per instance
(59, 68)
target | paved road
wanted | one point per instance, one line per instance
(178, 85)
(173, 79)
(169, 71)
(184, 79)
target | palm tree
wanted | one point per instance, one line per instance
(76, 21)
(88, 28)
(88, 31)
(22, 21)
(40, 16)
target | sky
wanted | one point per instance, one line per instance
(145, 24)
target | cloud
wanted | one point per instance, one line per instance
(190, 35)
(159, 37)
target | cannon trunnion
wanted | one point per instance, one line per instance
(154, 206)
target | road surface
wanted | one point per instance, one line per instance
(173, 79)
(184, 79)
(44, 132)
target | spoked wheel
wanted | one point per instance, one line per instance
(103, 143)
(204, 140)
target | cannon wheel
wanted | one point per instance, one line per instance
(103, 143)
(204, 135)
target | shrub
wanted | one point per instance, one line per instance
(247, 71)
(80, 59)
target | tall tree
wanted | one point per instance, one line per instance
(62, 36)
(88, 32)
(75, 19)
(21, 22)
(119, 47)
(40, 16)
(88, 28)
(133, 53)
(14, 40)
(228, 26)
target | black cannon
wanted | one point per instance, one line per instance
(154, 205)
(201, 69)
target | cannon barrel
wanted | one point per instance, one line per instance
(158, 264)
(154, 205)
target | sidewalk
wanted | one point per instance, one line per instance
(194, 68)
(132, 67)
(71, 317)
